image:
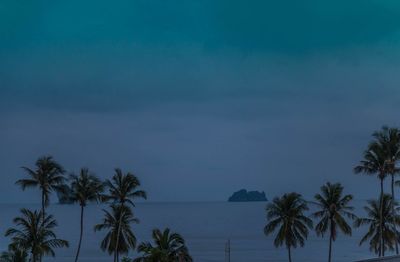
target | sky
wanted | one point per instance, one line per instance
(198, 98)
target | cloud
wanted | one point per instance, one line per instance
(204, 96)
(307, 27)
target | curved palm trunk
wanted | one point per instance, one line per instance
(381, 251)
(80, 235)
(290, 254)
(394, 212)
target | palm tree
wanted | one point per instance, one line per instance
(85, 188)
(168, 247)
(47, 176)
(389, 140)
(332, 209)
(35, 234)
(119, 238)
(287, 213)
(374, 163)
(388, 223)
(14, 254)
(123, 189)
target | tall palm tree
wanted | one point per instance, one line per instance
(374, 163)
(389, 140)
(168, 247)
(119, 238)
(47, 176)
(333, 207)
(286, 214)
(122, 190)
(14, 254)
(373, 220)
(35, 234)
(85, 188)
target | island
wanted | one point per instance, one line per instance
(247, 196)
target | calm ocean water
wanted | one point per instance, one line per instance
(205, 226)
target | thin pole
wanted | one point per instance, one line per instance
(226, 252)
(229, 250)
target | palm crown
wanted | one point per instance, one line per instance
(122, 188)
(169, 247)
(287, 213)
(374, 162)
(47, 176)
(373, 221)
(389, 139)
(119, 219)
(14, 254)
(333, 209)
(85, 188)
(35, 235)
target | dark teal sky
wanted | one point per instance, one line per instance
(199, 98)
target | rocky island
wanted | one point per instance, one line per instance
(247, 196)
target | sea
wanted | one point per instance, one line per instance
(206, 226)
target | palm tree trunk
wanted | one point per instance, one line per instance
(290, 254)
(116, 256)
(116, 259)
(33, 256)
(80, 236)
(117, 242)
(43, 215)
(43, 206)
(381, 252)
(330, 247)
(394, 213)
